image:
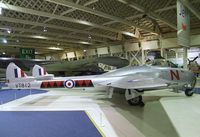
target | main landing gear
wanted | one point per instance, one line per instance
(134, 97)
(188, 90)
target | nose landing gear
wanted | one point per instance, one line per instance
(189, 92)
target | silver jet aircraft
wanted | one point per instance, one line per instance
(134, 79)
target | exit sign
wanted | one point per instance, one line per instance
(27, 53)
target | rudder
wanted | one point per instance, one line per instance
(13, 72)
(40, 73)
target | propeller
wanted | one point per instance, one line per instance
(192, 59)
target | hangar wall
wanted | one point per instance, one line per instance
(131, 46)
(127, 47)
(102, 51)
(116, 49)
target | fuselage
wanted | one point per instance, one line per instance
(173, 76)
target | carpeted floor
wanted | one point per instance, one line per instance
(46, 124)
(12, 94)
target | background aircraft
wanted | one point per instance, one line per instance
(63, 68)
(135, 80)
(88, 66)
(25, 64)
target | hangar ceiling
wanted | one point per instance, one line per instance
(71, 24)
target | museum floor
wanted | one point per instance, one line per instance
(166, 114)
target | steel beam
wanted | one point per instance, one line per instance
(150, 14)
(68, 11)
(158, 17)
(98, 13)
(54, 34)
(14, 20)
(68, 19)
(52, 43)
(47, 38)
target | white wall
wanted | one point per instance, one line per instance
(80, 54)
(131, 46)
(101, 51)
(39, 57)
(116, 49)
(70, 55)
(149, 45)
(169, 43)
(63, 56)
(195, 40)
(172, 42)
(91, 52)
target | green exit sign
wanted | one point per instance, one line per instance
(27, 53)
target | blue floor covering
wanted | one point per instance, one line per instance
(46, 124)
(12, 94)
(197, 90)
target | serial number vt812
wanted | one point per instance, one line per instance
(23, 85)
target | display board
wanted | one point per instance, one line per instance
(183, 25)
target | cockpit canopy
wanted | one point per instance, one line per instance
(161, 63)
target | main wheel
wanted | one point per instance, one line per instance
(135, 101)
(189, 92)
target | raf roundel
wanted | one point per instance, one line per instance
(69, 83)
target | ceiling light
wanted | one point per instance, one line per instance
(55, 48)
(45, 30)
(9, 31)
(84, 50)
(154, 33)
(84, 22)
(5, 41)
(84, 42)
(123, 1)
(39, 37)
(129, 34)
(0, 10)
(3, 53)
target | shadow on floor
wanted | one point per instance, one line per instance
(150, 120)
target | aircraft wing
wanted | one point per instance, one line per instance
(137, 81)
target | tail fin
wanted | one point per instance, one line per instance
(40, 73)
(13, 72)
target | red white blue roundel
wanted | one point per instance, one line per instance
(69, 83)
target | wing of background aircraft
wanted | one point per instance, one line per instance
(24, 64)
(61, 68)
(84, 66)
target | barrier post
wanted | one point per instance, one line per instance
(15, 96)
(101, 120)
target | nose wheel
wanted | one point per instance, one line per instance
(189, 92)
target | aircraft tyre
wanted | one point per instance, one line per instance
(137, 101)
(189, 92)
